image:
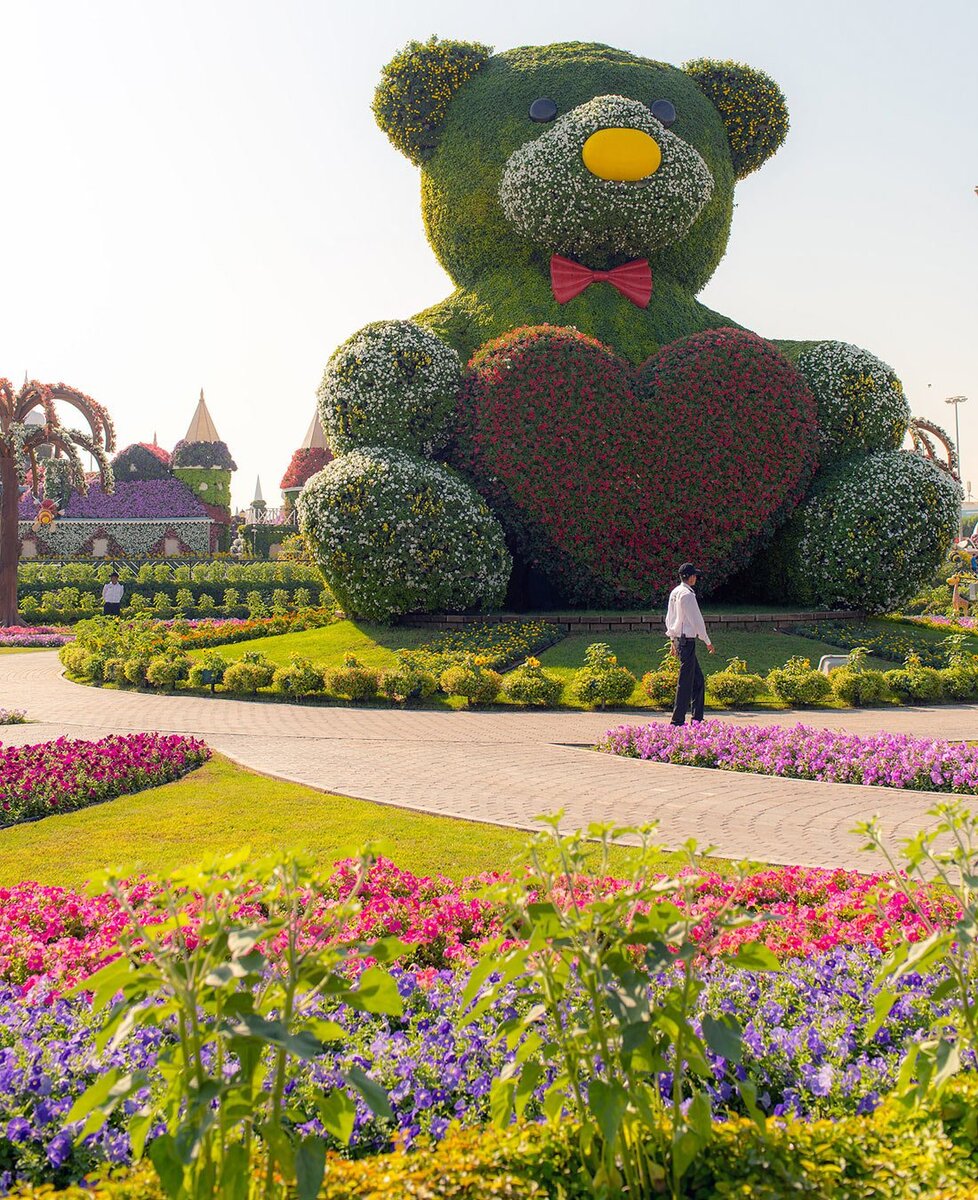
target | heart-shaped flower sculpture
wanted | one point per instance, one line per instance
(607, 477)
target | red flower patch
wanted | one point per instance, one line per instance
(607, 478)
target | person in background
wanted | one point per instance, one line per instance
(112, 596)
(684, 626)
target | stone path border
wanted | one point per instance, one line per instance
(505, 767)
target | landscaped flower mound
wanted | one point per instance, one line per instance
(896, 760)
(28, 636)
(51, 937)
(57, 777)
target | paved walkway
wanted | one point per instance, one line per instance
(503, 767)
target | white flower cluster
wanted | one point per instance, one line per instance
(861, 404)
(554, 200)
(392, 384)
(69, 537)
(875, 530)
(393, 533)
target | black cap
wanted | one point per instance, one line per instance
(688, 569)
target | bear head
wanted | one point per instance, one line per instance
(577, 149)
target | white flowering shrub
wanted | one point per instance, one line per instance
(861, 403)
(394, 534)
(392, 384)
(873, 530)
(554, 200)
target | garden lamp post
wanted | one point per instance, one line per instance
(956, 401)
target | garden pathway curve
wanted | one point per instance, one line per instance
(503, 767)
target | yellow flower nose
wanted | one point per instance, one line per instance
(624, 154)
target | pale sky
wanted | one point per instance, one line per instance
(196, 194)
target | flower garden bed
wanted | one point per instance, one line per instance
(896, 760)
(31, 637)
(61, 776)
(809, 1049)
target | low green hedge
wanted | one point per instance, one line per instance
(891, 1155)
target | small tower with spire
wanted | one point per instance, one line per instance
(312, 456)
(203, 462)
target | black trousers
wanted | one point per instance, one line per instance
(691, 689)
(110, 609)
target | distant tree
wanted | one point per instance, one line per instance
(19, 442)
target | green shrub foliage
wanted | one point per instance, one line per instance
(916, 683)
(353, 681)
(473, 680)
(734, 687)
(252, 672)
(601, 681)
(300, 678)
(530, 684)
(797, 684)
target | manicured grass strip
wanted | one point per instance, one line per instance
(374, 645)
(221, 806)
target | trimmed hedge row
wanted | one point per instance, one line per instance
(890, 1155)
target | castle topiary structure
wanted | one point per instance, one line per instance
(572, 410)
(203, 462)
(312, 456)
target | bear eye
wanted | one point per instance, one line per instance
(664, 111)
(543, 109)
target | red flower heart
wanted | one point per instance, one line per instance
(607, 477)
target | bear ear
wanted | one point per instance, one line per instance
(416, 88)
(751, 106)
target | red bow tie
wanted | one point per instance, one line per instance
(633, 279)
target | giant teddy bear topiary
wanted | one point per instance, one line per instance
(571, 422)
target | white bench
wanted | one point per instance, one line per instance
(828, 662)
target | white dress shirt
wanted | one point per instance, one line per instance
(112, 593)
(683, 617)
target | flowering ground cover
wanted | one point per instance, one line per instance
(12, 716)
(51, 937)
(896, 760)
(29, 637)
(806, 1047)
(57, 777)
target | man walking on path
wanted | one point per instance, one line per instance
(684, 624)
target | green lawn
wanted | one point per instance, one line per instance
(221, 806)
(374, 645)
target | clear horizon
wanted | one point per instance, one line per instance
(198, 196)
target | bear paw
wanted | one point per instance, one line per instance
(393, 533)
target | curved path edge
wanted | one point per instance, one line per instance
(506, 768)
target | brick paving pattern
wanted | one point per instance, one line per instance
(505, 767)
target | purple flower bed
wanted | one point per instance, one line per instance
(155, 499)
(30, 636)
(805, 1049)
(55, 777)
(895, 760)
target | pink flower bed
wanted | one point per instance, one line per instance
(27, 636)
(56, 777)
(51, 937)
